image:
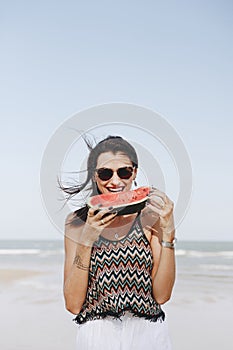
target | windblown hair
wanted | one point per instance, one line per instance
(112, 144)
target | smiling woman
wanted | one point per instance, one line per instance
(114, 172)
(118, 266)
(97, 169)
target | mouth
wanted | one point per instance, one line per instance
(115, 190)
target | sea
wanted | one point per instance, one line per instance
(204, 269)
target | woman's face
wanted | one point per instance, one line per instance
(108, 160)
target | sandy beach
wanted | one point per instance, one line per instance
(9, 276)
(201, 325)
(32, 321)
(199, 313)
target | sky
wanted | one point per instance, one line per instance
(61, 57)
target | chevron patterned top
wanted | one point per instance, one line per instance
(120, 278)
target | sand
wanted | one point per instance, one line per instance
(201, 325)
(9, 276)
(36, 319)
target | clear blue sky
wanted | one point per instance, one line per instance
(58, 57)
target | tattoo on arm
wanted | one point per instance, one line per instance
(79, 264)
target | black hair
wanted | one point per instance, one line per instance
(112, 144)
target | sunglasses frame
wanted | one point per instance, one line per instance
(117, 171)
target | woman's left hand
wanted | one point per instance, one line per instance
(161, 205)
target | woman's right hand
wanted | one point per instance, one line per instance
(97, 220)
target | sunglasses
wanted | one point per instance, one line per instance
(106, 174)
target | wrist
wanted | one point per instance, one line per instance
(170, 243)
(168, 236)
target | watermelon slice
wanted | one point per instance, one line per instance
(127, 202)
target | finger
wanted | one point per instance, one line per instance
(158, 193)
(161, 198)
(103, 212)
(157, 202)
(155, 208)
(108, 218)
(91, 212)
(154, 189)
(161, 212)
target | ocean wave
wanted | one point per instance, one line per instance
(204, 254)
(19, 251)
(215, 267)
(39, 252)
(45, 253)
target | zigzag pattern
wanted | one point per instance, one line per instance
(120, 278)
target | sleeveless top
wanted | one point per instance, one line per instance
(120, 279)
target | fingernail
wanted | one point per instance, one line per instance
(110, 208)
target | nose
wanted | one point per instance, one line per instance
(115, 180)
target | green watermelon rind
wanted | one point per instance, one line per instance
(131, 208)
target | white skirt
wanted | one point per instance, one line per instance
(129, 333)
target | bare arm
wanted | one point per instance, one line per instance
(78, 247)
(163, 273)
(76, 268)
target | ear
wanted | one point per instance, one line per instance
(135, 171)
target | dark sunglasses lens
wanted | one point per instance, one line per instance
(125, 173)
(105, 174)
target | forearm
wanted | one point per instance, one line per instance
(164, 279)
(76, 283)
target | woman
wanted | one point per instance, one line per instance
(119, 269)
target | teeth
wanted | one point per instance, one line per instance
(115, 190)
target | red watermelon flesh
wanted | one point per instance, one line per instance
(120, 199)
